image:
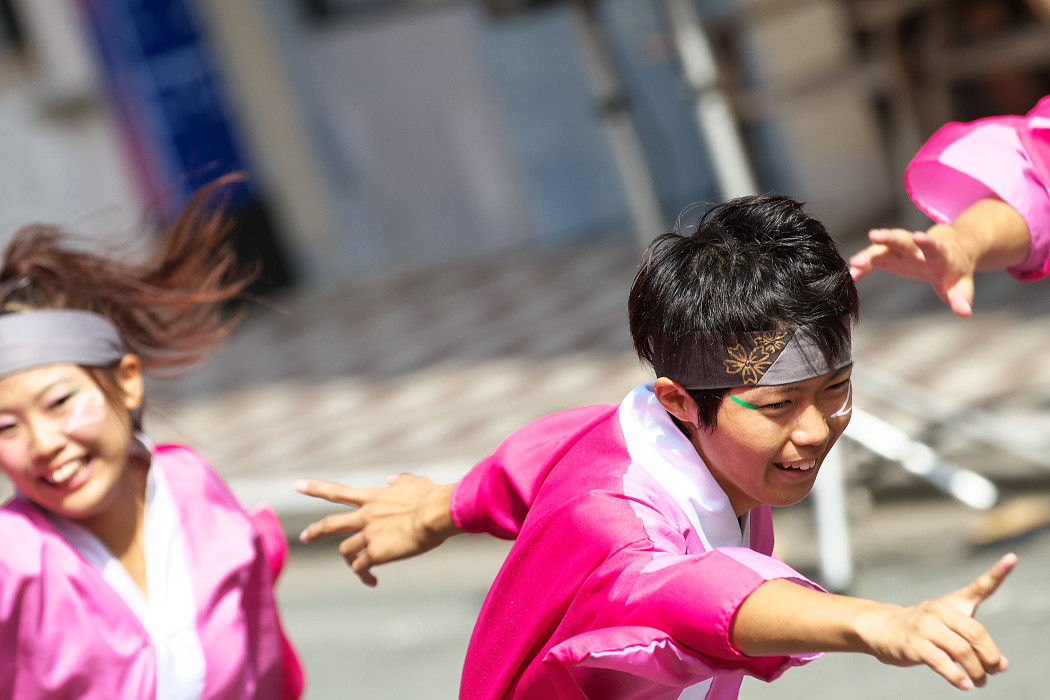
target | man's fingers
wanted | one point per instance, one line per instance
(355, 551)
(970, 646)
(942, 663)
(988, 583)
(336, 524)
(390, 517)
(352, 546)
(334, 492)
(395, 479)
(362, 566)
(965, 641)
(960, 663)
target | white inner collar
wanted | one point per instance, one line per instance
(657, 445)
(169, 615)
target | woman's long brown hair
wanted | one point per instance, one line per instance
(171, 308)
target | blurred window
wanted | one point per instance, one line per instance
(12, 36)
(322, 11)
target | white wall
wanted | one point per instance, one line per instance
(834, 156)
(61, 155)
(414, 137)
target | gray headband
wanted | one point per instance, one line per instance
(30, 339)
(759, 359)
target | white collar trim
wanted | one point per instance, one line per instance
(657, 445)
(169, 615)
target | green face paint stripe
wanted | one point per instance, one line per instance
(745, 404)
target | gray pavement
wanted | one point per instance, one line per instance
(425, 371)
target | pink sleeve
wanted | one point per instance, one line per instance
(208, 507)
(672, 609)
(1008, 157)
(696, 598)
(275, 550)
(271, 534)
(495, 496)
(676, 631)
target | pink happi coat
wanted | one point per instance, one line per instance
(1008, 157)
(628, 567)
(66, 633)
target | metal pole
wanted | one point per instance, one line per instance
(921, 460)
(833, 533)
(717, 124)
(631, 163)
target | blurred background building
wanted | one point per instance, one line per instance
(388, 133)
(441, 190)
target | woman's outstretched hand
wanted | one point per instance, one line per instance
(925, 256)
(406, 518)
(988, 235)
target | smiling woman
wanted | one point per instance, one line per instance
(127, 569)
(61, 443)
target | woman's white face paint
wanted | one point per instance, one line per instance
(89, 408)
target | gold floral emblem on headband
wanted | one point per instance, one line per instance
(752, 365)
(773, 341)
(749, 365)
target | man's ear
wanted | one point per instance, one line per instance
(676, 400)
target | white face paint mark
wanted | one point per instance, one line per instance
(847, 405)
(89, 407)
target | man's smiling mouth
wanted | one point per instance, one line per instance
(803, 466)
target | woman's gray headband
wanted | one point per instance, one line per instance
(30, 339)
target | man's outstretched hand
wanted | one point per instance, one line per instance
(406, 518)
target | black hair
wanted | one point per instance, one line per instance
(754, 263)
